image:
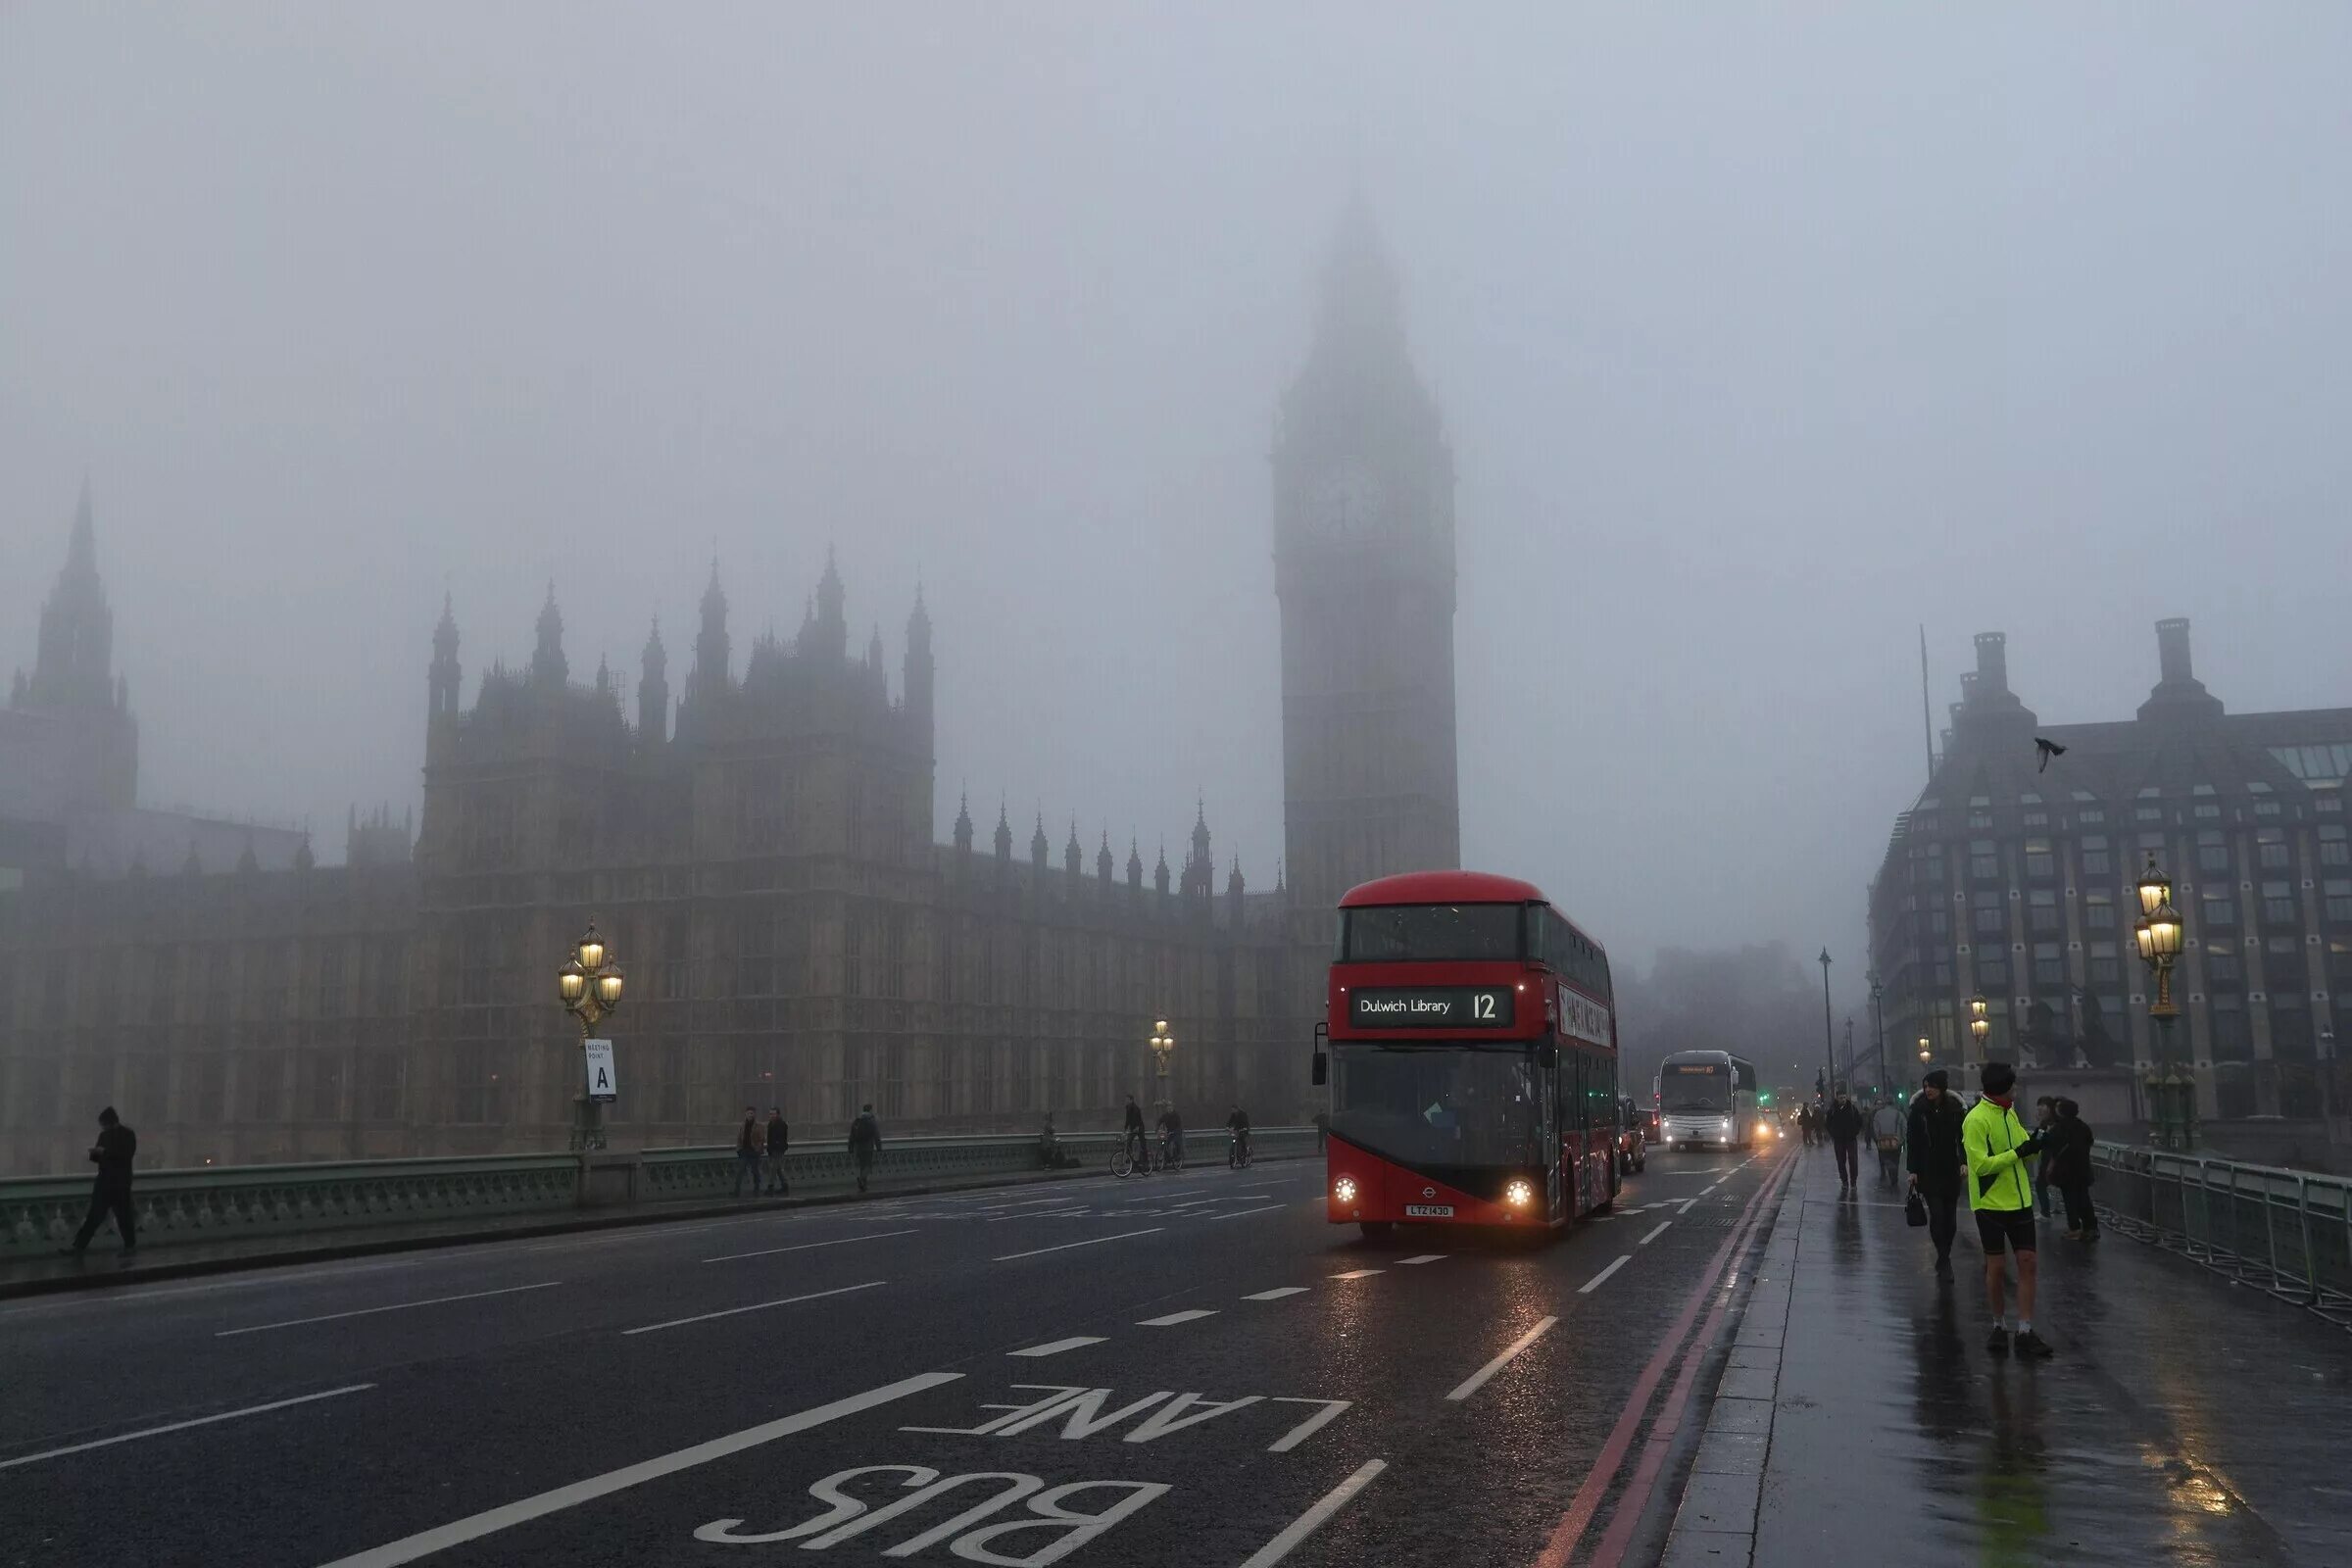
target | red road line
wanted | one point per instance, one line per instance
(1636, 1500)
(1579, 1517)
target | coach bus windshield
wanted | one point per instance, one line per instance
(1696, 1088)
(1430, 933)
(1431, 1105)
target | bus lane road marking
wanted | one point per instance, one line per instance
(1075, 1342)
(409, 1548)
(1307, 1522)
(1656, 1232)
(1277, 1294)
(1595, 1282)
(1478, 1379)
(1687, 1207)
(370, 1311)
(756, 1306)
(1174, 1318)
(802, 1247)
(181, 1426)
(1092, 1240)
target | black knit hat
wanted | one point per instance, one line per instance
(1938, 1079)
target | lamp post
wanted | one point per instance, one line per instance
(2171, 1094)
(1163, 1046)
(1925, 1052)
(1980, 1021)
(589, 985)
(1828, 1037)
(1878, 1030)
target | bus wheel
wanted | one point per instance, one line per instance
(1378, 1229)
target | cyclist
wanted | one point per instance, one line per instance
(1239, 1125)
(1171, 1139)
(1135, 1132)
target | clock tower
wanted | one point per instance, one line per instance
(1363, 568)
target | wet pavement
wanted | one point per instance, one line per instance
(2182, 1420)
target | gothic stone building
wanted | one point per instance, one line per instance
(2018, 883)
(759, 852)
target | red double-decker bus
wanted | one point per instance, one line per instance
(1473, 1058)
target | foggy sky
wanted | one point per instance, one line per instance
(1761, 338)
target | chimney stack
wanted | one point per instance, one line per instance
(2178, 694)
(1992, 662)
(2172, 651)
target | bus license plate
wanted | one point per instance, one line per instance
(1428, 1212)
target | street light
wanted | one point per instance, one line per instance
(2158, 930)
(1828, 1037)
(1979, 1023)
(1926, 1052)
(1163, 1046)
(589, 985)
(1878, 1030)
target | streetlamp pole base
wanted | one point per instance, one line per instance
(587, 1125)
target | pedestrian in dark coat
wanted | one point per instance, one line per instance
(865, 1141)
(1936, 1161)
(116, 1147)
(1844, 1123)
(747, 1151)
(779, 1142)
(2071, 1158)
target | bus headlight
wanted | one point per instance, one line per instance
(1343, 1189)
(1519, 1195)
(1763, 1129)
(1727, 1125)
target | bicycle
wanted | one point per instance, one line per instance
(1237, 1153)
(1123, 1164)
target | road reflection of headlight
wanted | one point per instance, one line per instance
(1343, 1189)
(1519, 1195)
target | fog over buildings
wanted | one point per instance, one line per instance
(1760, 342)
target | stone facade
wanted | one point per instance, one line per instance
(759, 853)
(2018, 883)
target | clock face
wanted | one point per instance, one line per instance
(1345, 502)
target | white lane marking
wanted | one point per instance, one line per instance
(1174, 1318)
(1308, 1427)
(1425, 1258)
(1656, 1231)
(1710, 1186)
(1478, 1379)
(396, 1306)
(1687, 1207)
(1277, 1294)
(1056, 1347)
(180, 1426)
(802, 1247)
(472, 1528)
(1355, 1274)
(756, 1306)
(1307, 1522)
(1243, 1213)
(1092, 1240)
(1595, 1282)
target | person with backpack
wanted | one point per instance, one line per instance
(865, 1141)
(2072, 1170)
(779, 1142)
(110, 1194)
(2001, 1155)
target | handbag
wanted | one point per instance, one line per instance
(1915, 1210)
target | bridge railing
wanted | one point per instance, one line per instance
(2286, 1232)
(210, 1203)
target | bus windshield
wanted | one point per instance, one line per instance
(1696, 1088)
(1434, 1106)
(1435, 933)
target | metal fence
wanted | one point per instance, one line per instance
(2286, 1232)
(213, 1203)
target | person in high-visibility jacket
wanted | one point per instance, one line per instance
(2000, 1155)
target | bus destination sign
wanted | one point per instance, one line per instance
(1432, 1008)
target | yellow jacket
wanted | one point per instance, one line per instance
(1999, 1177)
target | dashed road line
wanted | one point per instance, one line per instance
(181, 1426)
(1171, 1320)
(802, 1247)
(396, 1306)
(1425, 1258)
(1656, 1232)
(1277, 1294)
(1595, 1282)
(1092, 1240)
(1478, 1379)
(1687, 1207)
(1357, 1274)
(1242, 1213)
(1056, 1347)
(1307, 1522)
(756, 1306)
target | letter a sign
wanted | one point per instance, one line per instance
(602, 1082)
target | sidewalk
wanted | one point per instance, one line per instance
(1861, 1418)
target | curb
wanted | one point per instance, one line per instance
(1715, 1519)
(364, 1246)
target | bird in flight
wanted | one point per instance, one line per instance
(2048, 749)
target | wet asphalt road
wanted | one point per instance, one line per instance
(1225, 1362)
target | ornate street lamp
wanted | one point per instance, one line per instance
(1878, 1031)
(1980, 1023)
(2171, 1094)
(1925, 1052)
(589, 985)
(1163, 1046)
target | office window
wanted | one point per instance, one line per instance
(2206, 810)
(2275, 857)
(2098, 912)
(2266, 808)
(2041, 909)
(2040, 861)
(2037, 818)
(2089, 816)
(1980, 819)
(2221, 962)
(1939, 923)
(1943, 973)
(2232, 1036)
(2213, 852)
(2233, 1093)
(1984, 859)
(1930, 868)
(1989, 920)
(1992, 972)
(2333, 850)
(2336, 898)
(2096, 858)
(2049, 965)
(2147, 813)
(2327, 802)
(2105, 968)
(2278, 904)
(2219, 911)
